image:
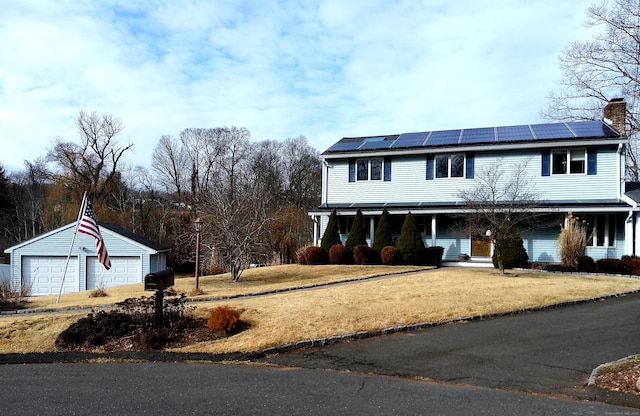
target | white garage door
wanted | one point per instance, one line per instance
(124, 270)
(44, 274)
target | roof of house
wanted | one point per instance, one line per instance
(134, 237)
(522, 134)
(138, 239)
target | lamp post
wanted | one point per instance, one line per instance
(198, 226)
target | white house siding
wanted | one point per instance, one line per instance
(409, 184)
(541, 245)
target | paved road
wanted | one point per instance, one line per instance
(208, 389)
(551, 351)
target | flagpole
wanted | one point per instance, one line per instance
(73, 240)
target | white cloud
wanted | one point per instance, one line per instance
(280, 68)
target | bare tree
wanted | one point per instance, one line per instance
(91, 165)
(303, 170)
(170, 164)
(606, 67)
(502, 199)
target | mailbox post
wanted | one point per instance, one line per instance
(159, 281)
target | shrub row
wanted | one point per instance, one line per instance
(363, 254)
(627, 265)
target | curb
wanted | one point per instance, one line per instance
(617, 398)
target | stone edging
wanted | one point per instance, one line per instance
(617, 398)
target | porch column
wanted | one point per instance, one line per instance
(371, 229)
(316, 223)
(628, 234)
(433, 230)
(636, 240)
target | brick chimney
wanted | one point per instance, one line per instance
(615, 114)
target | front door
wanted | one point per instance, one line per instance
(480, 246)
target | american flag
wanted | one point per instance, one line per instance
(89, 226)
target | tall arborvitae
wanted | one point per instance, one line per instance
(357, 236)
(382, 236)
(331, 235)
(410, 241)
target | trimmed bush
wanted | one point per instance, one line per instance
(512, 250)
(314, 255)
(410, 241)
(586, 264)
(613, 266)
(223, 319)
(633, 262)
(357, 236)
(382, 237)
(363, 254)
(431, 256)
(339, 254)
(389, 255)
(331, 235)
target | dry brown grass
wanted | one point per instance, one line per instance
(278, 319)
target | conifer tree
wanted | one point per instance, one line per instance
(382, 237)
(357, 236)
(410, 241)
(331, 235)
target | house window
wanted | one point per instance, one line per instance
(601, 229)
(370, 169)
(565, 162)
(450, 166)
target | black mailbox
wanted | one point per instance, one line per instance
(159, 280)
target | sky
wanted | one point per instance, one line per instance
(322, 69)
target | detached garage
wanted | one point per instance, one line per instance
(40, 262)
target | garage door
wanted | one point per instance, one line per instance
(44, 274)
(124, 270)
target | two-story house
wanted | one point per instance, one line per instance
(574, 167)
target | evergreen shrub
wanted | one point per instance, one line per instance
(511, 249)
(389, 255)
(363, 254)
(586, 264)
(339, 254)
(613, 266)
(410, 241)
(314, 255)
(431, 256)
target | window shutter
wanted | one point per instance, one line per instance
(470, 165)
(387, 169)
(592, 161)
(430, 167)
(546, 162)
(352, 170)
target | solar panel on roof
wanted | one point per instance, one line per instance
(514, 133)
(375, 144)
(552, 131)
(591, 129)
(441, 138)
(481, 135)
(411, 139)
(344, 146)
